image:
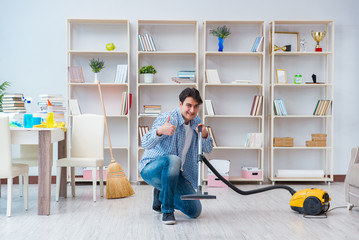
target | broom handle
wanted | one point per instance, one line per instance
(104, 113)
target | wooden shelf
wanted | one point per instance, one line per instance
(301, 98)
(234, 100)
(80, 49)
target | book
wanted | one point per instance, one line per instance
(74, 107)
(210, 132)
(283, 109)
(76, 74)
(212, 76)
(259, 106)
(254, 140)
(254, 103)
(209, 107)
(141, 42)
(256, 41)
(259, 44)
(149, 46)
(121, 73)
(153, 43)
(183, 80)
(142, 131)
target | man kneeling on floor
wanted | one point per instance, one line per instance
(169, 162)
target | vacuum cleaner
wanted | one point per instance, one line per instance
(310, 201)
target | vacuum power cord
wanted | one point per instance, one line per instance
(204, 159)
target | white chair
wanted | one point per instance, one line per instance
(29, 155)
(87, 145)
(351, 184)
(8, 169)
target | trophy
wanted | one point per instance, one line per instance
(286, 48)
(318, 36)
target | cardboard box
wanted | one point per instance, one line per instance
(251, 173)
(213, 181)
(87, 174)
(283, 142)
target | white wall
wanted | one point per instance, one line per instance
(33, 44)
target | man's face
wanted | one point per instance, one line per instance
(189, 109)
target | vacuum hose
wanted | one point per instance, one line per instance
(204, 159)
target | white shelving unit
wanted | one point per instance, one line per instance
(300, 100)
(232, 102)
(177, 49)
(87, 39)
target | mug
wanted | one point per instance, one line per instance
(28, 120)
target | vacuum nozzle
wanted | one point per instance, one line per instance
(198, 196)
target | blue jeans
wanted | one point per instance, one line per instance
(165, 175)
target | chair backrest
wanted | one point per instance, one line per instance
(5, 148)
(88, 131)
(29, 151)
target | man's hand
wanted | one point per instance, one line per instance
(204, 130)
(167, 128)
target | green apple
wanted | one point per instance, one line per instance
(110, 47)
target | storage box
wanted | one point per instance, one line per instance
(251, 173)
(222, 167)
(87, 174)
(316, 143)
(213, 181)
(283, 142)
(319, 137)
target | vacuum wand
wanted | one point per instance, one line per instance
(199, 195)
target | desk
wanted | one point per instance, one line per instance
(44, 137)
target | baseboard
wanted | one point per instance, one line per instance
(34, 179)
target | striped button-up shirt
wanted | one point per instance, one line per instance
(158, 146)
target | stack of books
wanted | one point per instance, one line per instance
(256, 105)
(212, 76)
(279, 108)
(13, 102)
(146, 43)
(152, 109)
(185, 76)
(322, 107)
(126, 103)
(121, 73)
(254, 140)
(52, 103)
(142, 130)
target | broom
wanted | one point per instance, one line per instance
(117, 184)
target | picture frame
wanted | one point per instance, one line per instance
(286, 38)
(281, 76)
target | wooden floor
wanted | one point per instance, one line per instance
(231, 216)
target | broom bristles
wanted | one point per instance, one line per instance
(117, 184)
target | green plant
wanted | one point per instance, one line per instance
(3, 87)
(221, 32)
(97, 65)
(147, 69)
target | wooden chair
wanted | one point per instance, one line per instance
(87, 145)
(8, 169)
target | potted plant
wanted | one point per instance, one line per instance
(148, 72)
(96, 65)
(222, 33)
(3, 87)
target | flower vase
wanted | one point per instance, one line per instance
(96, 79)
(220, 44)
